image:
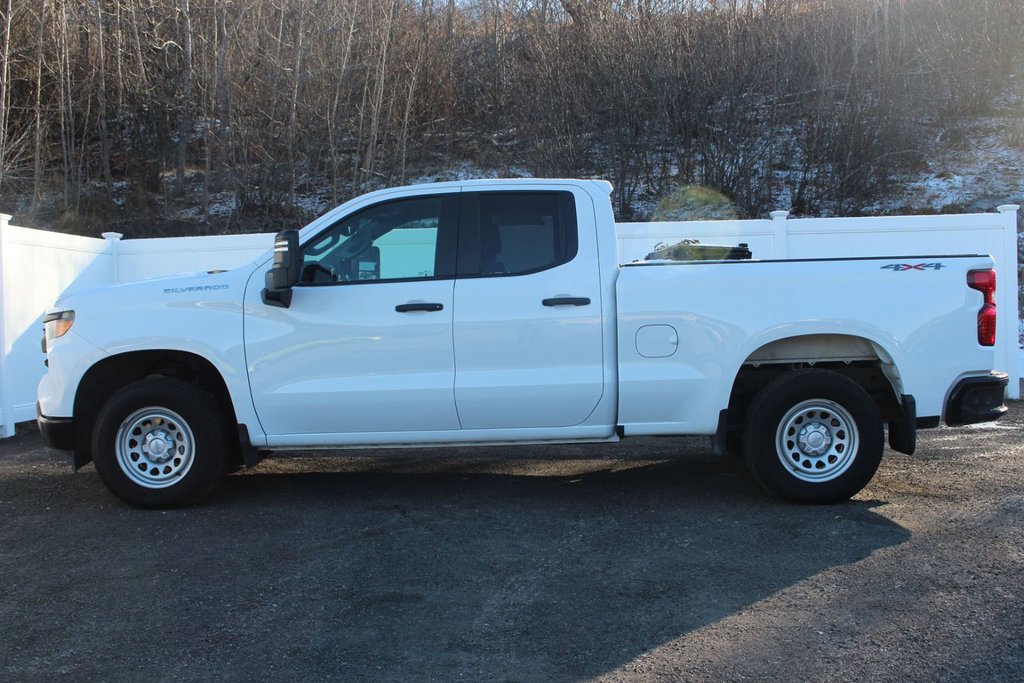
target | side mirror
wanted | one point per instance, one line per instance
(284, 273)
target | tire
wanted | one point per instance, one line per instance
(161, 443)
(813, 436)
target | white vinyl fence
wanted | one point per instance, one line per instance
(36, 266)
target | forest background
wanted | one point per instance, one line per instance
(166, 117)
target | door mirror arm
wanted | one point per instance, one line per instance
(284, 273)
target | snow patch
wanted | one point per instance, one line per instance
(991, 425)
(975, 164)
(468, 171)
(311, 204)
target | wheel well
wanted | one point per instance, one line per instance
(854, 357)
(111, 374)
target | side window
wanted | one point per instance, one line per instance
(398, 240)
(521, 232)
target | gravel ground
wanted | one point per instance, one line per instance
(647, 560)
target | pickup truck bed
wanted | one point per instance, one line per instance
(815, 311)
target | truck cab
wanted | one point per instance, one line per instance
(476, 314)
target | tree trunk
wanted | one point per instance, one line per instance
(104, 134)
(5, 73)
(333, 113)
(37, 169)
(221, 90)
(293, 111)
(378, 97)
(186, 96)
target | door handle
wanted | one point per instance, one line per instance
(567, 301)
(405, 308)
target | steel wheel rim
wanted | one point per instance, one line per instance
(817, 440)
(155, 447)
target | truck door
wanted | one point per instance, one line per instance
(528, 328)
(366, 345)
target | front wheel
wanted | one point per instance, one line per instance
(814, 436)
(160, 443)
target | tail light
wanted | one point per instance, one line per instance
(985, 282)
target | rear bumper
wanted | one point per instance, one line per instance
(57, 432)
(977, 399)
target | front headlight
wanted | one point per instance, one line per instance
(56, 325)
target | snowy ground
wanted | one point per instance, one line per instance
(974, 165)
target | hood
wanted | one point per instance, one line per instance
(187, 312)
(187, 287)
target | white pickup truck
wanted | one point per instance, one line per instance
(497, 312)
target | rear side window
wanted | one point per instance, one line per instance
(515, 233)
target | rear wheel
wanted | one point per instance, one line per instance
(160, 443)
(814, 436)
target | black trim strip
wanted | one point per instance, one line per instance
(977, 399)
(406, 308)
(250, 456)
(903, 430)
(346, 283)
(719, 442)
(802, 260)
(57, 432)
(567, 301)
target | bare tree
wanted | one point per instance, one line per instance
(276, 98)
(5, 77)
(184, 118)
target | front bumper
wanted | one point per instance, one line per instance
(977, 399)
(57, 432)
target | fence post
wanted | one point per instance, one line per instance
(7, 418)
(781, 234)
(113, 241)
(1010, 283)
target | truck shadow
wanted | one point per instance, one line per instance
(434, 568)
(431, 567)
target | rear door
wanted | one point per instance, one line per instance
(527, 324)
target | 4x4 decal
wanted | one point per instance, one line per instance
(900, 267)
